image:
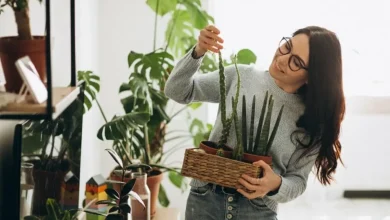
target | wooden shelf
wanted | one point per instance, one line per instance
(62, 98)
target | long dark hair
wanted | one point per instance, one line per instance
(324, 100)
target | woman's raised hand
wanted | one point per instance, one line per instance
(209, 40)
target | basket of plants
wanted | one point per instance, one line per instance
(217, 163)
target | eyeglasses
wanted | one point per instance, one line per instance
(294, 62)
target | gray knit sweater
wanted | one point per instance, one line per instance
(185, 84)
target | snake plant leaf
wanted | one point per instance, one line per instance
(266, 127)
(163, 6)
(92, 87)
(238, 150)
(274, 130)
(252, 125)
(116, 128)
(243, 124)
(260, 125)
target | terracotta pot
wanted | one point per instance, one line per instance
(250, 158)
(11, 49)
(211, 148)
(154, 181)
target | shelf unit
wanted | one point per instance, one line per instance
(58, 97)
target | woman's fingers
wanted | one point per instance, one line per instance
(211, 35)
(212, 28)
(211, 43)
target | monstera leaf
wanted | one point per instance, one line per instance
(180, 33)
(153, 65)
(143, 97)
(92, 87)
(199, 18)
(116, 128)
(164, 6)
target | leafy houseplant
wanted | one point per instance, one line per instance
(14, 47)
(54, 147)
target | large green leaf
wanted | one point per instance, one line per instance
(246, 56)
(119, 126)
(143, 96)
(176, 179)
(164, 6)
(162, 197)
(154, 64)
(180, 32)
(199, 18)
(92, 87)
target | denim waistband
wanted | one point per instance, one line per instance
(223, 190)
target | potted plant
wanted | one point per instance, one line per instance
(219, 158)
(54, 147)
(24, 44)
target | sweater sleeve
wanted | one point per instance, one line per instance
(185, 84)
(295, 180)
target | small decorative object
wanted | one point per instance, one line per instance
(31, 80)
(142, 189)
(70, 192)
(223, 165)
(95, 189)
(26, 189)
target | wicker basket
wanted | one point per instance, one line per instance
(216, 169)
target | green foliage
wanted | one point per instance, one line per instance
(119, 200)
(55, 212)
(92, 87)
(120, 127)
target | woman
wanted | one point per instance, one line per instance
(306, 77)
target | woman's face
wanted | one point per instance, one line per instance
(290, 63)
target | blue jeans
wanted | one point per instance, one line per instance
(211, 202)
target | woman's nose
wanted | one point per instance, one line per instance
(283, 60)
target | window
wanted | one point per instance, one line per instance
(362, 27)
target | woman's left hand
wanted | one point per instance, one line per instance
(260, 186)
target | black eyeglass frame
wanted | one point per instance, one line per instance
(289, 46)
